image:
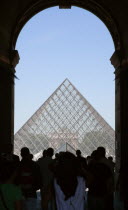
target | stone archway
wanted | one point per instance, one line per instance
(92, 6)
(110, 13)
(33, 8)
(117, 26)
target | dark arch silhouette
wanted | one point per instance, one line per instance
(97, 9)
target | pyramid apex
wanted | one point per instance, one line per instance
(66, 80)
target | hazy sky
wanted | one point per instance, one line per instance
(57, 44)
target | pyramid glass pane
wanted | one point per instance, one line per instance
(66, 118)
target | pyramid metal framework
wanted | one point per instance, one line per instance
(66, 117)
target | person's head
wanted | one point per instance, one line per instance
(101, 152)
(44, 153)
(110, 158)
(57, 155)
(66, 164)
(94, 155)
(31, 156)
(78, 153)
(50, 152)
(66, 173)
(88, 159)
(25, 153)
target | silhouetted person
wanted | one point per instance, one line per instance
(31, 156)
(10, 193)
(69, 186)
(110, 158)
(57, 155)
(81, 160)
(10, 157)
(103, 159)
(46, 178)
(99, 195)
(44, 153)
(88, 159)
(29, 179)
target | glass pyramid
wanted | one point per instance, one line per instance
(65, 118)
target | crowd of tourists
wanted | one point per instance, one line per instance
(65, 182)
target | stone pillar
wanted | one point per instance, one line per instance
(121, 117)
(116, 63)
(7, 74)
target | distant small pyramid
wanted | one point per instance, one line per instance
(66, 117)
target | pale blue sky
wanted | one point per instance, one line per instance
(57, 44)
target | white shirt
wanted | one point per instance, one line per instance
(76, 202)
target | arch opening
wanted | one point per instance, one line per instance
(97, 9)
(44, 59)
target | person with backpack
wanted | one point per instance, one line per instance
(29, 179)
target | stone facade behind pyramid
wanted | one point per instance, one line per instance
(65, 120)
